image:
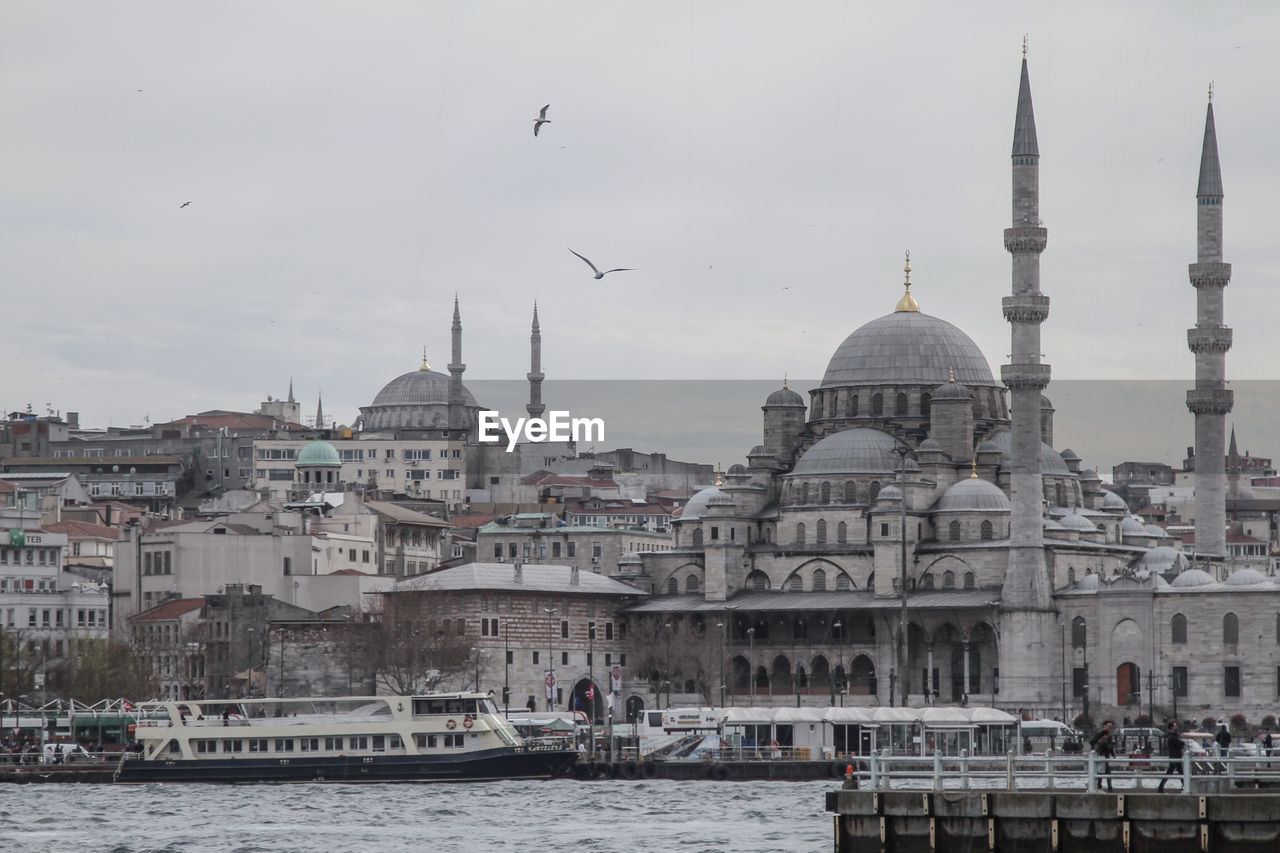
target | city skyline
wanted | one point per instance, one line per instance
(763, 171)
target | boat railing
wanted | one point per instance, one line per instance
(548, 743)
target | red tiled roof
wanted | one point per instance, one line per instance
(475, 519)
(349, 572)
(83, 530)
(234, 420)
(170, 609)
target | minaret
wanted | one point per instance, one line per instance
(535, 407)
(457, 420)
(1233, 473)
(291, 389)
(1210, 400)
(1026, 618)
(319, 411)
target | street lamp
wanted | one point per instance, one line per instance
(506, 670)
(902, 450)
(723, 634)
(551, 661)
(413, 672)
(751, 657)
(667, 674)
(837, 629)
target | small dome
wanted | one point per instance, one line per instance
(1069, 455)
(1246, 577)
(1050, 461)
(951, 391)
(989, 446)
(758, 450)
(1045, 405)
(319, 453)
(1189, 578)
(1132, 527)
(1075, 521)
(1090, 474)
(889, 493)
(1050, 524)
(973, 495)
(929, 445)
(736, 468)
(785, 397)
(1089, 581)
(1163, 559)
(697, 504)
(1155, 530)
(1110, 500)
(853, 451)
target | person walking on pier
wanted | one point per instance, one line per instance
(1105, 747)
(1173, 745)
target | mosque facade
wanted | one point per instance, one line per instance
(909, 534)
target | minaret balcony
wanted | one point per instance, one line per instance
(535, 377)
(1022, 376)
(1026, 239)
(1209, 339)
(1210, 401)
(1026, 308)
(457, 367)
(1209, 274)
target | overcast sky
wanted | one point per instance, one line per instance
(762, 166)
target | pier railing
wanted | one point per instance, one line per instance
(1082, 773)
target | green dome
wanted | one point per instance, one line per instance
(319, 454)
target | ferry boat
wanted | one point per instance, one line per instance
(447, 737)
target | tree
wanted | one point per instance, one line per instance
(103, 669)
(411, 655)
(670, 651)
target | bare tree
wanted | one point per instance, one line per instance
(412, 655)
(104, 669)
(674, 653)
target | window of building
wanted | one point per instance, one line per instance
(555, 550)
(1079, 633)
(564, 658)
(953, 531)
(1178, 627)
(1230, 631)
(948, 579)
(819, 580)
(1079, 681)
(842, 533)
(850, 492)
(843, 583)
(697, 537)
(535, 657)
(1231, 681)
(571, 549)
(673, 586)
(691, 583)
(800, 533)
(926, 582)
(884, 528)
(986, 530)
(821, 533)
(900, 404)
(968, 580)
(564, 629)
(877, 403)
(824, 493)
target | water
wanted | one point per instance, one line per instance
(585, 817)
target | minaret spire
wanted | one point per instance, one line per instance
(1025, 603)
(535, 376)
(291, 389)
(457, 418)
(319, 411)
(1210, 400)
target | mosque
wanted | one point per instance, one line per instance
(910, 535)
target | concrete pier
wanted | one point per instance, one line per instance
(1018, 822)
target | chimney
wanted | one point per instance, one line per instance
(519, 574)
(573, 575)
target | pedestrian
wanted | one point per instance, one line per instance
(1266, 743)
(1173, 746)
(1104, 746)
(531, 705)
(1223, 739)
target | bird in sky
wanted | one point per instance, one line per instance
(597, 272)
(184, 204)
(541, 119)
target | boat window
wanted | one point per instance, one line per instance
(309, 744)
(487, 706)
(423, 707)
(360, 742)
(333, 743)
(655, 719)
(230, 745)
(468, 706)
(395, 742)
(453, 706)
(425, 741)
(454, 741)
(379, 743)
(284, 744)
(172, 746)
(258, 745)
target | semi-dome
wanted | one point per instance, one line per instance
(1050, 461)
(889, 493)
(853, 451)
(950, 391)
(1190, 578)
(697, 504)
(929, 445)
(415, 400)
(784, 396)
(1132, 527)
(973, 495)
(319, 454)
(1154, 530)
(1110, 500)
(1246, 577)
(1075, 521)
(908, 348)
(736, 469)
(1163, 559)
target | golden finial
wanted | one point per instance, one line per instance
(951, 373)
(1024, 45)
(907, 302)
(425, 366)
(1211, 91)
(784, 382)
(719, 475)
(973, 475)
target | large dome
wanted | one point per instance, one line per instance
(908, 348)
(853, 451)
(415, 400)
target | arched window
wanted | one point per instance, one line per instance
(900, 404)
(843, 583)
(821, 534)
(673, 586)
(991, 402)
(850, 492)
(824, 493)
(968, 580)
(691, 583)
(831, 404)
(1060, 494)
(926, 582)
(953, 531)
(977, 407)
(1071, 574)
(758, 581)
(697, 537)
(875, 491)
(1079, 633)
(842, 536)
(926, 401)
(1230, 630)
(877, 403)
(800, 533)
(851, 406)
(986, 529)
(795, 583)
(1178, 628)
(804, 493)
(948, 579)
(819, 580)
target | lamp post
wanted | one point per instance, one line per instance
(751, 661)
(506, 671)
(667, 674)
(282, 660)
(413, 663)
(837, 633)
(902, 450)
(551, 661)
(723, 634)
(591, 686)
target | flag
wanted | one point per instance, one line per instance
(591, 691)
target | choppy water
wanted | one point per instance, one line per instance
(585, 817)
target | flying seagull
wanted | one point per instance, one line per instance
(597, 272)
(541, 119)
(184, 204)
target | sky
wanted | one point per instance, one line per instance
(762, 167)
